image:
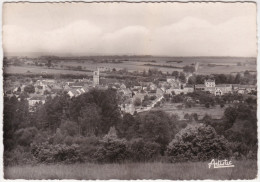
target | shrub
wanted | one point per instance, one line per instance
(197, 143)
(140, 150)
(111, 149)
(18, 156)
(88, 147)
(25, 136)
(69, 128)
(155, 127)
(48, 153)
(137, 101)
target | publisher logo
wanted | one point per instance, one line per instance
(220, 164)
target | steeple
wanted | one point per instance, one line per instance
(96, 77)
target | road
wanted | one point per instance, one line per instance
(151, 106)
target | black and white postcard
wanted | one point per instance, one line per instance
(130, 90)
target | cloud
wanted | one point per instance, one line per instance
(192, 36)
(130, 39)
(74, 38)
(189, 36)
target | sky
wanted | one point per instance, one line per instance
(162, 29)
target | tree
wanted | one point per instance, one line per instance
(182, 77)
(207, 105)
(49, 63)
(175, 74)
(246, 73)
(192, 80)
(142, 151)
(128, 127)
(188, 69)
(29, 89)
(197, 143)
(154, 126)
(230, 114)
(69, 127)
(111, 148)
(177, 99)
(237, 78)
(90, 120)
(137, 101)
(19, 89)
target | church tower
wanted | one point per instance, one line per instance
(96, 77)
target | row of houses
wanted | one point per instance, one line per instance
(221, 89)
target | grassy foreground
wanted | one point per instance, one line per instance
(188, 171)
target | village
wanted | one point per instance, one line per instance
(138, 98)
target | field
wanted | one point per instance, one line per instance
(224, 65)
(178, 171)
(224, 69)
(215, 112)
(39, 70)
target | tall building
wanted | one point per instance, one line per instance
(210, 83)
(96, 77)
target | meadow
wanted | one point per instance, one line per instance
(224, 69)
(246, 169)
(215, 112)
(40, 70)
(226, 65)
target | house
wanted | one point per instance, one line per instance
(169, 91)
(211, 87)
(126, 92)
(56, 88)
(123, 86)
(73, 93)
(170, 79)
(188, 89)
(200, 87)
(77, 92)
(223, 89)
(153, 87)
(159, 92)
(77, 85)
(36, 100)
(249, 88)
(235, 87)
(243, 89)
(139, 95)
(128, 108)
(101, 87)
(137, 87)
(210, 83)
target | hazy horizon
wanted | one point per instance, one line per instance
(39, 54)
(196, 29)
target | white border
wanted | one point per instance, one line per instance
(1, 75)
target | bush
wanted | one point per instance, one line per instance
(87, 145)
(140, 150)
(48, 153)
(69, 128)
(18, 156)
(137, 101)
(29, 89)
(111, 149)
(25, 136)
(155, 127)
(197, 143)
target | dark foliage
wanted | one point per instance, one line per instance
(197, 143)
